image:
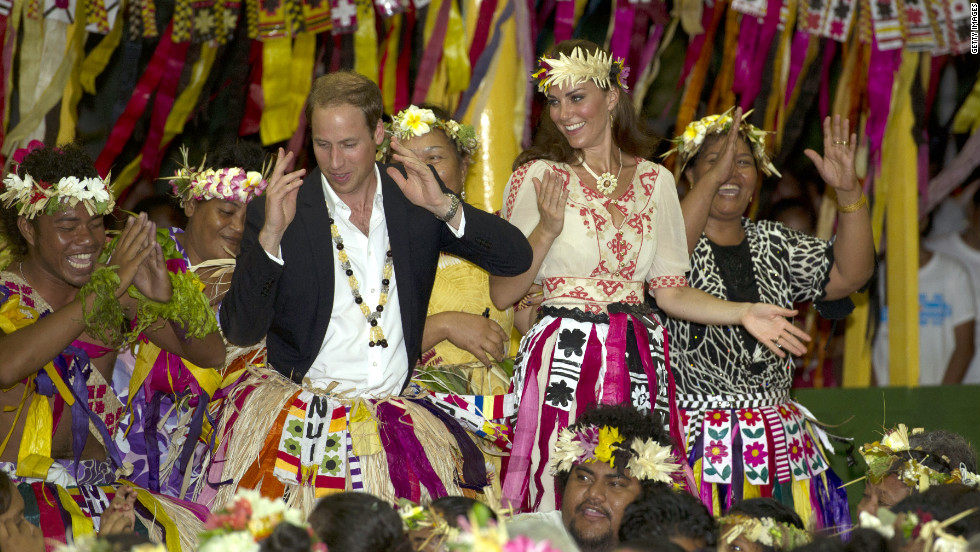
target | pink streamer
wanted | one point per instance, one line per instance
(881, 74)
(619, 44)
(564, 20)
(586, 390)
(613, 391)
(796, 59)
(754, 41)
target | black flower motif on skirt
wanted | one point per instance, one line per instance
(571, 342)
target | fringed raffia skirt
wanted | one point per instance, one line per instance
(569, 361)
(68, 513)
(764, 444)
(300, 444)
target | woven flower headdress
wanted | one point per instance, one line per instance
(649, 460)
(229, 184)
(765, 531)
(881, 457)
(419, 121)
(929, 533)
(580, 66)
(690, 141)
(247, 520)
(33, 197)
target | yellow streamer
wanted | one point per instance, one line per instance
(455, 56)
(304, 56)
(899, 170)
(366, 41)
(125, 178)
(187, 99)
(73, 88)
(364, 431)
(81, 524)
(801, 501)
(99, 57)
(34, 455)
(967, 119)
(275, 125)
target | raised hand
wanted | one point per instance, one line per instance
(768, 324)
(552, 197)
(280, 201)
(418, 183)
(724, 166)
(836, 166)
(152, 279)
(132, 249)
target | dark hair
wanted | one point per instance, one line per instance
(346, 88)
(442, 114)
(943, 502)
(123, 542)
(859, 540)
(712, 138)
(379, 526)
(46, 164)
(7, 490)
(667, 514)
(287, 537)
(244, 154)
(650, 545)
(451, 508)
(940, 450)
(631, 424)
(628, 131)
(788, 204)
(767, 508)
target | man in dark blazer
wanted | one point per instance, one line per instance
(321, 316)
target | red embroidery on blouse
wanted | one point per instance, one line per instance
(668, 281)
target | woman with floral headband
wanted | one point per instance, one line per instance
(761, 525)
(905, 463)
(213, 196)
(603, 223)
(462, 326)
(743, 434)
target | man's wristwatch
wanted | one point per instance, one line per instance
(453, 207)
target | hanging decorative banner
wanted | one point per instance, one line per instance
(316, 16)
(959, 24)
(754, 43)
(60, 10)
(97, 17)
(388, 8)
(624, 16)
(787, 11)
(918, 18)
(812, 15)
(887, 25)
(837, 23)
(272, 19)
(182, 21)
(5, 7)
(937, 11)
(343, 16)
(148, 16)
(755, 8)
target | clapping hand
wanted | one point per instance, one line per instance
(131, 251)
(836, 167)
(552, 197)
(19, 535)
(152, 278)
(120, 517)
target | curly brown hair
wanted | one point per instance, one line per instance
(48, 164)
(628, 131)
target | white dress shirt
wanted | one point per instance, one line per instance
(345, 356)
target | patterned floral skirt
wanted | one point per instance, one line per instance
(571, 360)
(760, 445)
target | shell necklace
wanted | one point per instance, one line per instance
(377, 335)
(605, 184)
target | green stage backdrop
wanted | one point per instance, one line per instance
(862, 414)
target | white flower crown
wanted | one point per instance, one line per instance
(649, 460)
(419, 121)
(32, 197)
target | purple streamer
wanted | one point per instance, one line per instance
(401, 436)
(474, 473)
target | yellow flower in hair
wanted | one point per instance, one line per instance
(416, 120)
(609, 437)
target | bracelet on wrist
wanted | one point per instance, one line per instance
(852, 207)
(453, 207)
